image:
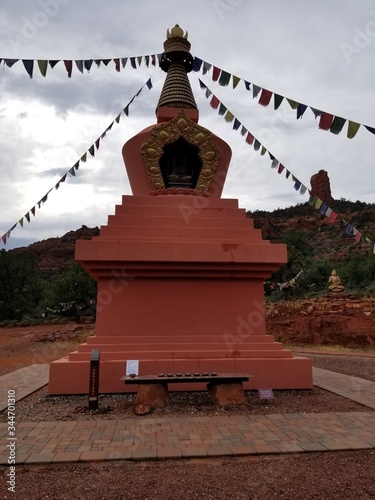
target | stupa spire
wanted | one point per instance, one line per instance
(177, 62)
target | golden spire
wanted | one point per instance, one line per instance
(177, 62)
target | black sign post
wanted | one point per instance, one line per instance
(94, 380)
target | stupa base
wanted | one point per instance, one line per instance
(72, 377)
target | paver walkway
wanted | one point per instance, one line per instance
(151, 438)
(23, 381)
(354, 388)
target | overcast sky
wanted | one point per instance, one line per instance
(320, 53)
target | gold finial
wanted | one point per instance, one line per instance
(177, 32)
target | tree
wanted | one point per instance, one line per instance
(74, 286)
(21, 286)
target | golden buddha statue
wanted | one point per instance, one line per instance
(334, 283)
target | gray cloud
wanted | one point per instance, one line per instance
(296, 48)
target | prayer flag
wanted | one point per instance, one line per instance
(229, 117)
(87, 64)
(236, 124)
(206, 67)
(352, 129)
(236, 80)
(332, 217)
(216, 73)
(257, 145)
(325, 122)
(43, 65)
(301, 108)
(222, 109)
(68, 67)
(370, 129)
(79, 65)
(29, 66)
(224, 78)
(277, 100)
(292, 104)
(265, 97)
(256, 90)
(318, 203)
(337, 125)
(214, 103)
(197, 64)
(249, 138)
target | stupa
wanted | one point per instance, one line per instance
(180, 270)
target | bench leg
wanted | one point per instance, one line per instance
(152, 395)
(226, 394)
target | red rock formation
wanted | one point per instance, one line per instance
(320, 186)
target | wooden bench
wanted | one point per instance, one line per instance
(225, 388)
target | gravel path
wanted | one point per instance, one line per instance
(308, 476)
(362, 367)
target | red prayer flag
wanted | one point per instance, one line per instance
(216, 73)
(4, 238)
(97, 143)
(281, 168)
(332, 217)
(117, 64)
(249, 138)
(33, 211)
(265, 97)
(326, 120)
(358, 237)
(69, 67)
(214, 102)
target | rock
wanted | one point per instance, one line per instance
(152, 395)
(227, 394)
(142, 410)
(320, 186)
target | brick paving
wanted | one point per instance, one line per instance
(24, 381)
(138, 439)
(209, 436)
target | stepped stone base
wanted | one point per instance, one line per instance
(72, 377)
(180, 288)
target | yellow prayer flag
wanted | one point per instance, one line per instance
(318, 203)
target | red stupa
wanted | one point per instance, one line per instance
(180, 270)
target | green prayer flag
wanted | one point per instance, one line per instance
(27, 216)
(312, 200)
(43, 65)
(264, 151)
(21, 222)
(222, 109)
(278, 99)
(92, 150)
(352, 129)
(337, 125)
(84, 157)
(256, 145)
(224, 78)
(293, 104)
(118, 118)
